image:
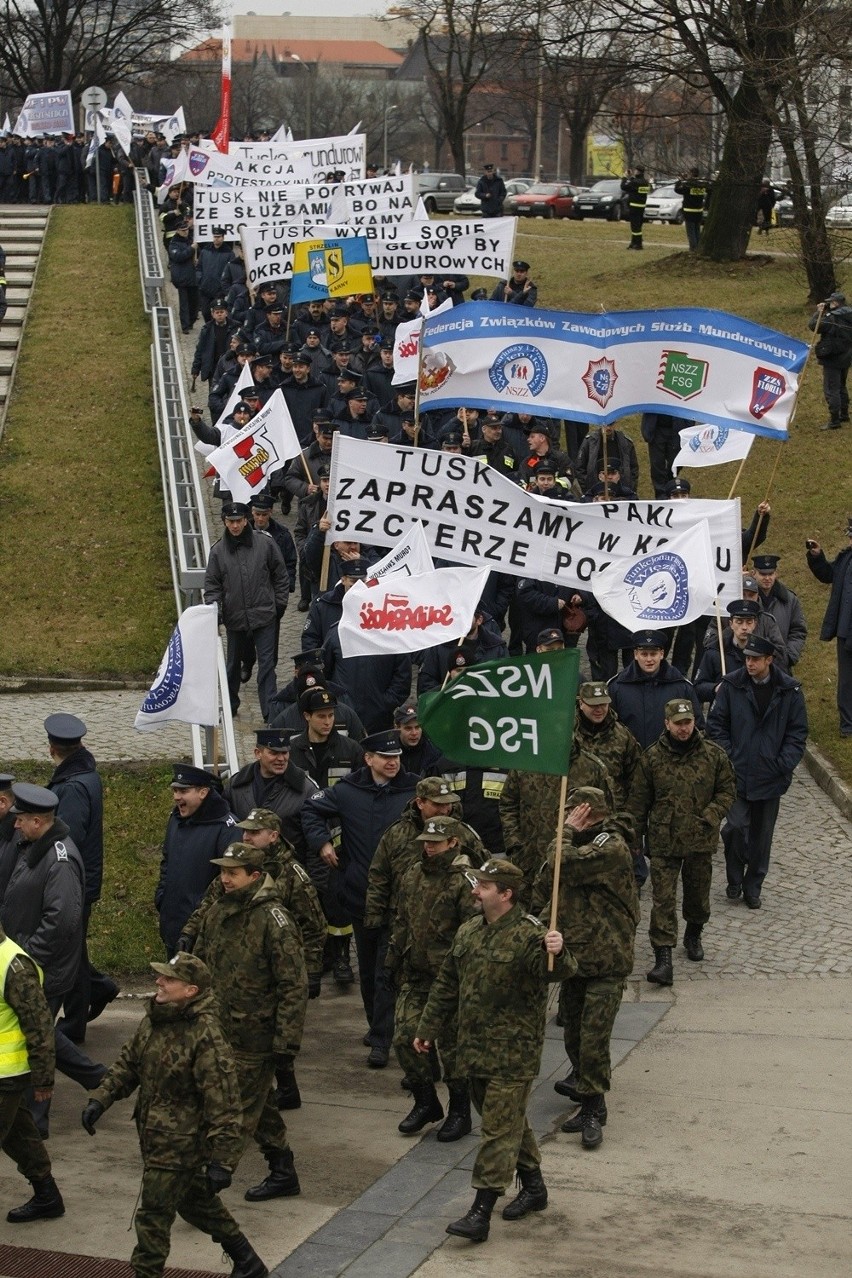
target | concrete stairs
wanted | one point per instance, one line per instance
(22, 229)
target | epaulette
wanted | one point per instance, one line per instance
(61, 850)
(302, 872)
(533, 918)
(601, 839)
(280, 916)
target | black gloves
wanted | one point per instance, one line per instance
(218, 1177)
(91, 1114)
(185, 944)
(314, 984)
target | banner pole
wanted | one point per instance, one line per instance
(417, 386)
(781, 444)
(557, 864)
(605, 461)
(737, 476)
(719, 632)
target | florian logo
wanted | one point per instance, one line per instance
(680, 375)
(519, 371)
(767, 387)
(710, 440)
(600, 378)
(658, 588)
(169, 678)
(197, 162)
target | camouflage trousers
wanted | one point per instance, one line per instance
(167, 1193)
(696, 873)
(588, 1006)
(410, 1002)
(261, 1117)
(506, 1142)
(19, 1138)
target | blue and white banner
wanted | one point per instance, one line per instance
(46, 113)
(670, 586)
(712, 445)
(705, 365)
(186, 687)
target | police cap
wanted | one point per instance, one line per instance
(309, 657)
(276, 739)
(757, 646)
(358, 569)
(260, 819)
(33, 798)
(187, 968)
(235, 510)
(649, 639)
(302, 357)
(187, 777)
(744, 608)
(765, 563)
(262, 361)
(382, 743)
(679, 710)
(545, 467)
(241, 854)
(64, 729)
(6, 780)
(675, 486)
(377, 430)
(520, 265)
(262, 501)
(313, 699)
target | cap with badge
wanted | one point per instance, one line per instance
(594, 694)
(649, 639)
(235, 510)
(314, 699)
(187, 968)
(677, 486)
(678, 710)
(33, 799)
(546, 637)
(302, 357)
(405, 714)
(458, 660)
(64, 729)
(273, 738)
(750, 585)
(260, 819)
(262, 501)
(241, 854)
(187, 777)
(382, 743)
(765, 563)
(589, 794)
(499, 870)
(744, 608)
(437, 789)
(520, 265)
(6, 782)
(757, 646)
(308, 657)
(438, 828)
(357, 569)
(377, 430)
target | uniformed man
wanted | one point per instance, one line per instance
(419, 754)
(695, 191)
(253, 949)
(494, 981)
(434, 900)
(27, 1061)
(637, 188)
(744, 614)
(681, 791)
(188, 1116)
(783, 604)
(273, 781)
(597, 914)
(599, 731)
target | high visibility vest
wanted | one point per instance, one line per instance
(13, 1046)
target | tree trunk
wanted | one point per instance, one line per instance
(577, 158)
(734, 196)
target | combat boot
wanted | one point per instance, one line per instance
(567, 1086)
(533, 1195)
(427, 1109)
(692, 942)
(45, 1204)
(341, 968)
(661, 973)
(588, 1120)
(476, 1222)
(457, 1123)
(282, 1181)
(248, 1263)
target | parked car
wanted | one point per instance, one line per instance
(603, 199)
(468, 203)
(546, 199)
(439, 191)
(664, 205)
(840, 213)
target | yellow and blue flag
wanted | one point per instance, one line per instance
(330, 268)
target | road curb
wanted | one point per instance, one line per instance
(828, 780)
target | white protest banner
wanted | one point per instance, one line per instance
(707, 445)
(257, 164)
(409, 556)
(670, 586)
(7, 125)
(246, 461)
(467, 248)
(175, 172)
(46, 113)
(344, 153)
(225, 428)
(282, 134)
(186, 687)
(406, 350)
(268, 251)
(213, 168)
(407, 614)
(373, 201)
(472, 515)
(118, 125)
(701, 364)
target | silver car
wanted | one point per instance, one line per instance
(840, 214)
(469, 204)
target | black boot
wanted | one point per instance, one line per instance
(533, 1195)
(287, 1094)
(567, 1086)
(476, 1222)
(427, 1109)
(457, 1123)
(661, 973)
(342, 969)
(45, 1204)
(282, 1181)
(247, 1262)
(692, 942)
(589, 1119)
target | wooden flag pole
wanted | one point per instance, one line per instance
(417, 386)
(557, 864)
(719, 632)
(766, 499)
(737, 476)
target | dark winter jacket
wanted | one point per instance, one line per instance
(488, 646)
(81, 807)
(247, 580)
(639, 700)
(285, 795)
(837, 622)
(763, 749)
(185, 868)
(376, 684)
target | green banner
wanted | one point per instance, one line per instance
(512, 713)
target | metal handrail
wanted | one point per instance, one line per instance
(151, 271)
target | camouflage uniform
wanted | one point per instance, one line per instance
(187, 1115)
(597, 913)
(254, 952)
(18, 1133)
(398, 849)
(682, 796)
(434, 900)
(614, 746)
(495, 980)
(296, 893)
(529, 807)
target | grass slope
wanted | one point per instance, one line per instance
(82, 538)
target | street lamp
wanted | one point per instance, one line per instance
(295, 58)
(388, 109)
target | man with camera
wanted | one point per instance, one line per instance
(832, 320)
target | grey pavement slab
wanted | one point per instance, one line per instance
(109, 717)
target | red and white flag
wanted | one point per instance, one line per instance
(399, 613)
(221, 135)
(406, 350)
(246, 461)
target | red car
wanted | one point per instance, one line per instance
(546, 199)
